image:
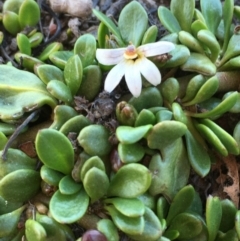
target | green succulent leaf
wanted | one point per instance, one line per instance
(107, 227)
(60, 58)
(181, 202)
(150, 97)
(207, 90)
(237, 223)
(55, 150)
(27, 61)
(183, 11)
(50, 176)
(54, 229)
(199, 63)
(12, 5)
(130, 181)
(229, 211)
(169, 89)
(85, 47)
(168, 20)
(130, 135)
(47, 72)
(94, 161)
(179, 56)
(229, 235)
(68, 186)
(21, 92)
(68, 208)
(35, 39)
(165, 133)
(35, 231)
(60, 91)
(73, 73)
(188, 225)
(96, 183)
(103, 35)
(133, 225)
(29, 13)
(23, 44)
(9, 222)
(62, 113)
(130, 153)
(220, 109)
(150, 35)
(110, 24)
(169, 172)
(11, 22)
(50, 49)
(3, 140)
(94, 140)
(233, 49)
(198, 156)
(213, 216)
(75, 124)
(152, 227)
(130, 207)
(212, 13)
(10, 164)
(190, 41)
(132, 23)
(193, 87)
(145, 117)
(9, 185)
(91, 82)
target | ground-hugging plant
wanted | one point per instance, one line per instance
(119, 168)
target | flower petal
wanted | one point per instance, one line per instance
(157, 48)
(133, 78)
(114, 76)
(149, 70)
(110, 56)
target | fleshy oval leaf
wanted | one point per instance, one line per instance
(130, 135)
(107, 227)
(94, 140)
(188, 225)
(21, 92)
(47, 72)
(132, 23)
(68, 186)
(85, 47)
(183, 11)
(20, 185)
(168, 20)
(130, 181)
(29, 13)
(133, 225)
(73, 73)
(94, 161)
(55, 150)
(50, 176)
(130, 207)
(164, 133)
(64, 208)
(199, 63)
(95, 183)
(152, 227)
(130, 153)
(9, 222)
(35, 231)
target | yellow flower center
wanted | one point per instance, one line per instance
(130, 52)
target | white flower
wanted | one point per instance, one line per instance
(132, 62)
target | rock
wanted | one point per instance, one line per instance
(76, 8)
